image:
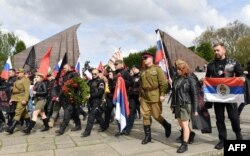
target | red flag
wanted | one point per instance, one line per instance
(100, 67)
(45, 62)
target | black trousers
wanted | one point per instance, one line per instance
(49, 107)
(108, 111)
(95, 113)
(2, 118)
(131, 117)
(232, 111)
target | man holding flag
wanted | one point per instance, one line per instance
(152, 90)
(224, 67)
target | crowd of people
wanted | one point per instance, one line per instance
(42, 96)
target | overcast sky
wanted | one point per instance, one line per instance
(110, 24)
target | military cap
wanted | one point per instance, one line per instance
(20, 70)
(118, 61)
(147, 54)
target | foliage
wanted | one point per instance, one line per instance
(135, 58)
(20, 46)
(230, 35)
(243, 48)
(9, 44)
(205, 51)
(76, 90)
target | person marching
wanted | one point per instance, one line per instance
(40, 97)
(153, 85)
(20, 97)
(184, 101)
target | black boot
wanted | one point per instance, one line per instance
(183, 148)
(61, 130)
(29, 128)
(76, 128)
(180, 138)
(27, 122)
(191, 137)
(46, 125)
(147, 131)
(85, 134)
(11, 128)
(167, 127)
(239, 136)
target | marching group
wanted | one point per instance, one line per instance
(146, 90)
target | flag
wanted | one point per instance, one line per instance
(6, 69)
(160, 57)
(56, 69)
(63, 62)
(31, 60)
(116, 56)
(100, 67)
(78, 67)
(45, 63)
(224, 90)
(120, 100)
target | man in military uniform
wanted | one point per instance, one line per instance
(70, 109)
(97, 87)
(20, 97)
(223, 66)
(153, 85)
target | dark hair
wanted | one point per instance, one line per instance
(219, 44)
(12, 69)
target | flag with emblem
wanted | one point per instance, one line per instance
(224, 90)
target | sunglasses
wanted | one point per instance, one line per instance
(94, 73)
(116, 64)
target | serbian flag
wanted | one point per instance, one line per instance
(78, 67)
(120, 100)
(160, 58)
(6, 69)
(224, 90)
(45, 63)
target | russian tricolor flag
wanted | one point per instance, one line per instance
(6, 69)
(120, 100)
(224, 90)
(78, 67)
(56, 69)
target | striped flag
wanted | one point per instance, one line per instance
(6, 68)
(78, 67)
(224, 90)
(120, 100)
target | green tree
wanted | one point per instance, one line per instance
(20, 46)
(205, 51)
(243, 49)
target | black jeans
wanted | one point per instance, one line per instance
(108, 111)
(131, 117)
(232, 111)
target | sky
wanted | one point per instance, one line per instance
(107, 25)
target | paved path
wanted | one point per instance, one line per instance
(106, 144)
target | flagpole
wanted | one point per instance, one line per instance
(158, 33)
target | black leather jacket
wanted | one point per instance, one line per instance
(184, 92)
(97, 87)
(41, 90)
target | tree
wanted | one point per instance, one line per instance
(205, 51)
(9, 44)
(230, 35)
(20, 46)
(243, 48)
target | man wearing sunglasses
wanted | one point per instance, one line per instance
(153, 87)
(97, 87)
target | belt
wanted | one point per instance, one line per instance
(150, 89)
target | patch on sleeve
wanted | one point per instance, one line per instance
(101, 85)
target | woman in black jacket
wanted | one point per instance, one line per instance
(184, 101)
(40, 97)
